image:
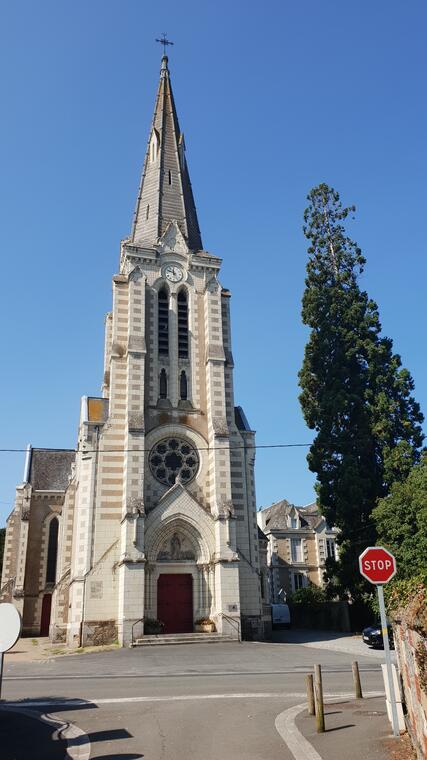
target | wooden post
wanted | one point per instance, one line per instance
(318, 692)
(310, 694)
(356, 680)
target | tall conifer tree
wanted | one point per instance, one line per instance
(355, 393)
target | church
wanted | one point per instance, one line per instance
(152, 520)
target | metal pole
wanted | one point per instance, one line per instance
(318, 691)
(356, 680)
(1, 670)
(395, 721)
(310, 694)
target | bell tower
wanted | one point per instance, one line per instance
(164, 522)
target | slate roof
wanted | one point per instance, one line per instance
(241, 419)
(165, 191)
(276, 516)
(50, 470)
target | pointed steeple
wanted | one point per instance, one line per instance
(165, 192)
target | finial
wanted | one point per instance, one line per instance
(164, 41)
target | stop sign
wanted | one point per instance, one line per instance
(377, 564)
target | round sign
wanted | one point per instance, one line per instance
(10, 626)
(377, 564)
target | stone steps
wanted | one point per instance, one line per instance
(182, 638)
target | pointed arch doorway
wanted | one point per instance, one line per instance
(175, 602)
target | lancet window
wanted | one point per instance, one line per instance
(52, 551)
(183, 386)
(163, 384)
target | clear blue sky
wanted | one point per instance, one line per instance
(273, 99)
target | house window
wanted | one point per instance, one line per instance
(330, 548)
(182, 325)
(163, 312)
(183, 386)
(294, 522)
(147, 212)
(170, 177)
(299, 581)
(296, 550)
(52, 551)
(163, 384)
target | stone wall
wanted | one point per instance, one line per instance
(410, 631)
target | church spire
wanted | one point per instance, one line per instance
(165, 191)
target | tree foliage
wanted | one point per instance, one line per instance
(401, 521)
(355, 393)
(310, 596)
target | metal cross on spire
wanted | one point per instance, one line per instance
(164, 41)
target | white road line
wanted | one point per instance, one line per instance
(293, 738)
(177, 698)
(78, 744)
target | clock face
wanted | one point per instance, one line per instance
(173, 273)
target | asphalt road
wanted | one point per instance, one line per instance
(181, 702)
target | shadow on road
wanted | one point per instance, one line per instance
(28, 730)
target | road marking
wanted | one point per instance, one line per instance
(292, 736)
(78, 744)
(177, 698)
(299, 669)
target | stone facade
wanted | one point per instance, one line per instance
(299, 541)
(162, 483)
(410, 640)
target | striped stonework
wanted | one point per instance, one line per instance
(124, 524)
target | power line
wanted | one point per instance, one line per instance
(122, 451)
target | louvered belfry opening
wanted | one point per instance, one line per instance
(163, 308)
(182, 325)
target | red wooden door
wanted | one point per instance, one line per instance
(45, 621)
(175, 602)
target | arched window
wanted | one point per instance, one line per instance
(183, 390)
(163, 384)
(163, 312)
(52, 551)
(182, 325)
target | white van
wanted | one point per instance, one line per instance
(280, 616)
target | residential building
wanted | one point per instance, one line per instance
(299, 541)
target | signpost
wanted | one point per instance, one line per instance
(10, 631)
(378, 566)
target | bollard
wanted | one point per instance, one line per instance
(318, 693)
(356, 680)
(310, 694)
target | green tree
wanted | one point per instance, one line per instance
(355, 394)
(401, 521)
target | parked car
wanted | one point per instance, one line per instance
(280, 616)
(372, 636)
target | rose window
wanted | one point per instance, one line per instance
(173, 459)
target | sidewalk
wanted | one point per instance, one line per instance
(330, 640)
(24, 735)
(355, 730)
(41, 648)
